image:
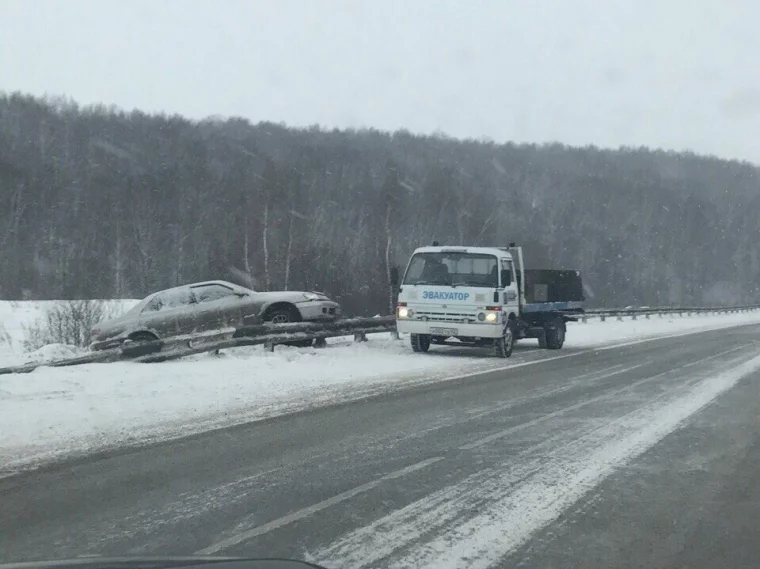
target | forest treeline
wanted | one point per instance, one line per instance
(100, 203)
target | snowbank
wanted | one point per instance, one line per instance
(595, 333)
(56, 412)
(17, 316)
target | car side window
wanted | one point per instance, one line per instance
(156, 303)
(178, 297)
(209, 293)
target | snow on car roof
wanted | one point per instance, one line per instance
(191, 285)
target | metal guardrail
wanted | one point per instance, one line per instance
(273, 334)
(647, 312)
(260, 334)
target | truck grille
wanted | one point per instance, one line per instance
(445, 316)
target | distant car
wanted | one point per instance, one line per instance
(211, 305)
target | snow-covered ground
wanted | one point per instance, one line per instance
(56, 412)
(16, 317)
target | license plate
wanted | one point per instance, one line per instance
(444, 331)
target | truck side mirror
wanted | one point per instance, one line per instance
(394, 276)
(506, 277)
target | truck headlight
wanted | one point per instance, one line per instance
(492, 317)
(403, 312)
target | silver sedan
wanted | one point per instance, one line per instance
(211, 305)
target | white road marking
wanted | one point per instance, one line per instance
(305, 512)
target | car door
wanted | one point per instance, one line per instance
(218, 306)
(169, 313)
(182, 306)
(152, 316)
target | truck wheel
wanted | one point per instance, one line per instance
(505, 345)
(555, 334)
(420, 342)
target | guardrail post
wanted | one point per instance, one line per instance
(603, 318)
(619, 317)
(361, 337)
(269, 346)
(584, 319)
(320, 343)
(633, 316)
(647, 316)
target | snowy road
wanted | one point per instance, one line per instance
(642, 455)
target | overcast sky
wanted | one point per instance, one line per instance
(675, 74)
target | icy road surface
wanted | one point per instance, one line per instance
(54, 413)
(641, 455)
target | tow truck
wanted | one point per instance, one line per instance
(484, 297)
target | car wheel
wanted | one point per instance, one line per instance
(143, 337)
(140, 344)
(282, 316)
(285, 315)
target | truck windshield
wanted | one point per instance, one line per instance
(453, 269)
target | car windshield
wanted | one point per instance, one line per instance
(453, 269)
(137, 308)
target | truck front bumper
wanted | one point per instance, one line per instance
(449, 329)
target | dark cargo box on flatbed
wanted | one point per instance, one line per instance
(548, 285)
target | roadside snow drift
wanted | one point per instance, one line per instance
(52, 413)
(17, 317)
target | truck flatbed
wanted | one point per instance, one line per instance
(565, 306)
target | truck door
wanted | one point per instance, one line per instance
(510, 294)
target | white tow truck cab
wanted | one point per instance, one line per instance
(477, 296)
